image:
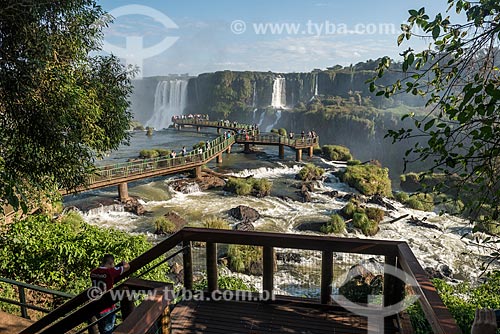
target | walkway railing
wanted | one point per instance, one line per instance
(278, 140)
(191, 160)
(331, 250)
(22, 300)
(214, 124)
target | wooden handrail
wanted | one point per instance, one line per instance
(396, 253)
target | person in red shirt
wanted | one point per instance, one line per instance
(104, 278)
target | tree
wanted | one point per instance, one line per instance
(458, 76)
(60, 106)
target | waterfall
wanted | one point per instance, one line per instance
(316, 86)
(170, 100)
(278, 99)
(254, 112)
(254, 98)
(261, 120)
(278, 117)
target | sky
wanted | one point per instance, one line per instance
(195, 36)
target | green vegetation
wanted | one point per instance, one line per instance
(60, 254)
(165, 225)
(335, 225)
(149, 131)
(148, 154)
(62, 102)
(369, 179)
(201, 145)
(353, 162)
(136, 126)
(337, 153)
(359, 288)
(375, 214)
(368, 226)
(419, 201)
(462, 300)
(459, 135)
(245, 259)
(216, 223)
(311, 172)
(250, 186)
(226, 283)
(491, 227)
(163, 152)
(282, 132)
(401, 196)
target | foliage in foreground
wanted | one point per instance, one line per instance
(62, 103)
(250, 186)
(335, 225)
(458, 77)
(60, 254)
(369, 179)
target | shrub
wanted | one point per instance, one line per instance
(375, 214)
(335, 225)
(226, 283)
(274, 131)
(490, 227)
(261, 187)
(215, 223)
(148, 154)
(366, 225)
(60, 254)
(164, 225)
(421, 201)
(401, 197)
(369, 179)
(349, 210)
(337, 153)
(163, 152)
(245, 259)
(149, 131)
(201, 145)
(250, 186)
(282, 132)
(353, 162)
(310, 172)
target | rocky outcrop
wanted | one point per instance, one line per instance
(379, 200)
(310, 226)
(245, 226)
(442, 272)
(244, 213)
(206, 182)
(288, 257)
(132, 205)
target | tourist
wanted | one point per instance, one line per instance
(103, 278)
(184, 151)
(290, 135)
(303, 135)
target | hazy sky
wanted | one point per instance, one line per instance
(265, 35)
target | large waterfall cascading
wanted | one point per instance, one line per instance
(170, 100)
(278, 99)
(254, 98)
(316, 86)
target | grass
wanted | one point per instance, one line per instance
(245, 259)
(368, 226)
(215, 223)
(369, 179)
(165, 225)
(148, 154)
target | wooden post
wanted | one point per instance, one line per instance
(229, 149)
(211, 249)
(22, 299)
(268, 270)
(218, 159)
(247, 148)
(218, 130)
(166, 323)
(197, 172)
(393, 288)
(282, 151)
(311, 151)
(93, 329)
(123, 191)
(298, 155)
(127, 304)
(197, 129)
(326, 276)
(187, 263)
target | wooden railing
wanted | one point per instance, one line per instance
(22, 300)
(271, 139)
(396, 254)
(214, 124)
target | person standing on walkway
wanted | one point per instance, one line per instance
(104, 278)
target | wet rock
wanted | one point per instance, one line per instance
(244, 213)
(433, 273)
(444, 271)
(132, 205)
(357, 197)
(289, 257)
(421, 223)
(332, 194)
(209, 182)
(305, 196)
(176, 273)
(310, 226)
(307, 186)
(360, 284)
(379, 200)
(245, 226)
(206, 182)
(176, 219)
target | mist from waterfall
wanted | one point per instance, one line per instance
(170, 100)
(278, 99)
(278, 117)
